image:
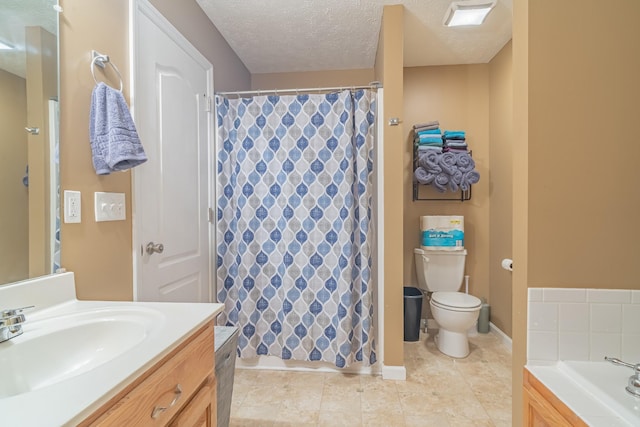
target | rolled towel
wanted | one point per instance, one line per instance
(448, 162)
(429, 161)
(456, 177)
(468, 179)
(465, 162)
(423, 177)
(441, 181)
(453, 186)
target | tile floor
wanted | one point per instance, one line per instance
(439, 391)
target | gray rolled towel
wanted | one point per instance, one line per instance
(441, 181)
(448, 163)
(465, 162)
(429, 161)
(468, 179)
(456, 177)
(423, 177)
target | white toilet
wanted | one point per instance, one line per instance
(441, 273)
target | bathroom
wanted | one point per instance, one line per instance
(537, 202)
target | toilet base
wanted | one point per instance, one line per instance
(454, 344)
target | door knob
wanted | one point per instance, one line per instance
(153, 248)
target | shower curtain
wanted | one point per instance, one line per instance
(294, 236)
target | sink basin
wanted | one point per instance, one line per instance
(58, 347)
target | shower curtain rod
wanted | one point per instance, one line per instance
(372, 85)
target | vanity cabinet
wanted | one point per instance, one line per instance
(543, 409)
(179, 390)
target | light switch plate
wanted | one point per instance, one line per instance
(72, 211)
(110, 207)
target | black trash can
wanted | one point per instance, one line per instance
(412, 313)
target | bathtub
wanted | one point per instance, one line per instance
(595, 391)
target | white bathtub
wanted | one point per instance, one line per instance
(595, 391)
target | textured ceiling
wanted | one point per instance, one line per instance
(15, 15)
(306, 35)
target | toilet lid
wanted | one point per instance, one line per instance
(456, 301)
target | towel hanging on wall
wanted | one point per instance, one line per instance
(115, 144)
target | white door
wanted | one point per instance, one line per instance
(172, 87)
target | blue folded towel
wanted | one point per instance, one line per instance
(115, 144)
(454, 134)
(429, 132)
(430, 140)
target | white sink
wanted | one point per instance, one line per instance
(76, 356)
(56, 348)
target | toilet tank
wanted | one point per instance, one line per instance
(440, 270)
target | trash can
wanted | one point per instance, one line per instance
(226, 342)
(412, 313)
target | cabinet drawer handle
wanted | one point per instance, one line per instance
(160, 409)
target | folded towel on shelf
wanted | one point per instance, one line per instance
(429, 132)
(454, 150)
(448, 143)
(427, 125)
(429, 140)
(469, 178)
(454, 134)
(465, 162)
(423, 177)
(115, 144)
(425, 148)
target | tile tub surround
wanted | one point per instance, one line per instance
(439, 391)
(583, 324)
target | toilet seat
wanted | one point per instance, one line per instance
(455, 301)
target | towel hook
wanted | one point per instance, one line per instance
(101, 60)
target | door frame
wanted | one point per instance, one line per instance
(144, 7)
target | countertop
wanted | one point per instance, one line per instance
(71, 400)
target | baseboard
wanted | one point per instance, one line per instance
(394, 373)
(503, 337)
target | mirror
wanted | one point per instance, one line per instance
(29, 211)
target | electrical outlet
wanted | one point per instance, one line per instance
(72, 207)
(110, 207)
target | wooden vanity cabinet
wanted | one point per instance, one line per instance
(180, 390)
(543, 409)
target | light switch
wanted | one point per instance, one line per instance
(72, 211)
(110, 207)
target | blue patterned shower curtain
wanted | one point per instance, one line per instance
(294, 229)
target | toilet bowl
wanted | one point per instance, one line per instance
(440, 273)
(455, 313)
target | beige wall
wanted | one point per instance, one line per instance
(100, 254)
(500, 185)
(458, 97)
(574, 192)
(388, 70)
(312, 79)
(14, 248)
